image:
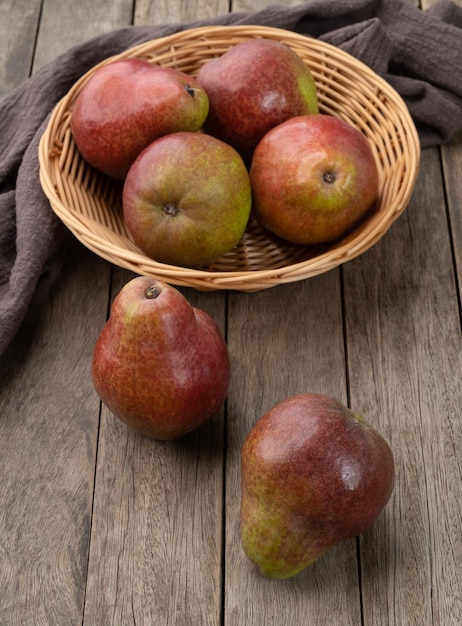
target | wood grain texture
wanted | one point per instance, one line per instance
(49, 409)
(405, 364)
(179, 12)
(101, 526)
(156, 548)
(156, 556)
(425, 4)
(18, 30)
(452, 167)
(295, 346)
(48, 439)
(64, 24)
(255, 5)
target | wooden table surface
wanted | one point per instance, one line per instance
(101, 526)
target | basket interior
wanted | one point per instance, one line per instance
(90, 202)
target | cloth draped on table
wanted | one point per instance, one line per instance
(418, 52)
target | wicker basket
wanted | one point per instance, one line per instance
(89, 203)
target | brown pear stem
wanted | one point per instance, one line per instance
(190, 90)
(152, 291)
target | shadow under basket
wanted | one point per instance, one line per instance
(89, 203)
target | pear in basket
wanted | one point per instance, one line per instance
(126, 104)
(314, 178)
(187, 199)
(254, 86)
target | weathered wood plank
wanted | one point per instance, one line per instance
(18, 29)
(452, 167)
(48, 436)
(179, 12)
(50, 412)
(168, 526)
(157, 524)
(65, 24)
(451, 155)
(256, 5)
(296, 345)
(405, 363)
(427, 3)
(284, 341)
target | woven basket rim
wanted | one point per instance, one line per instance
(252, 279)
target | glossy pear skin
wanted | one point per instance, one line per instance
(254, 86)
(160, 364)
(313, 474)
(128, 103)
(187, 199)
(314, 177)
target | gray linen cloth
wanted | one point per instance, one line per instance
(418, 52)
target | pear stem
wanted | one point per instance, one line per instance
(152, 291)
(190, 90)
(170, 209)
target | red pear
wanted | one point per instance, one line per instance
(128, 103)
(187, 199)
(160, 364)
(313, 474)
(314, 177)
(255, 85)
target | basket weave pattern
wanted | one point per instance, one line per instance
(89, 203)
